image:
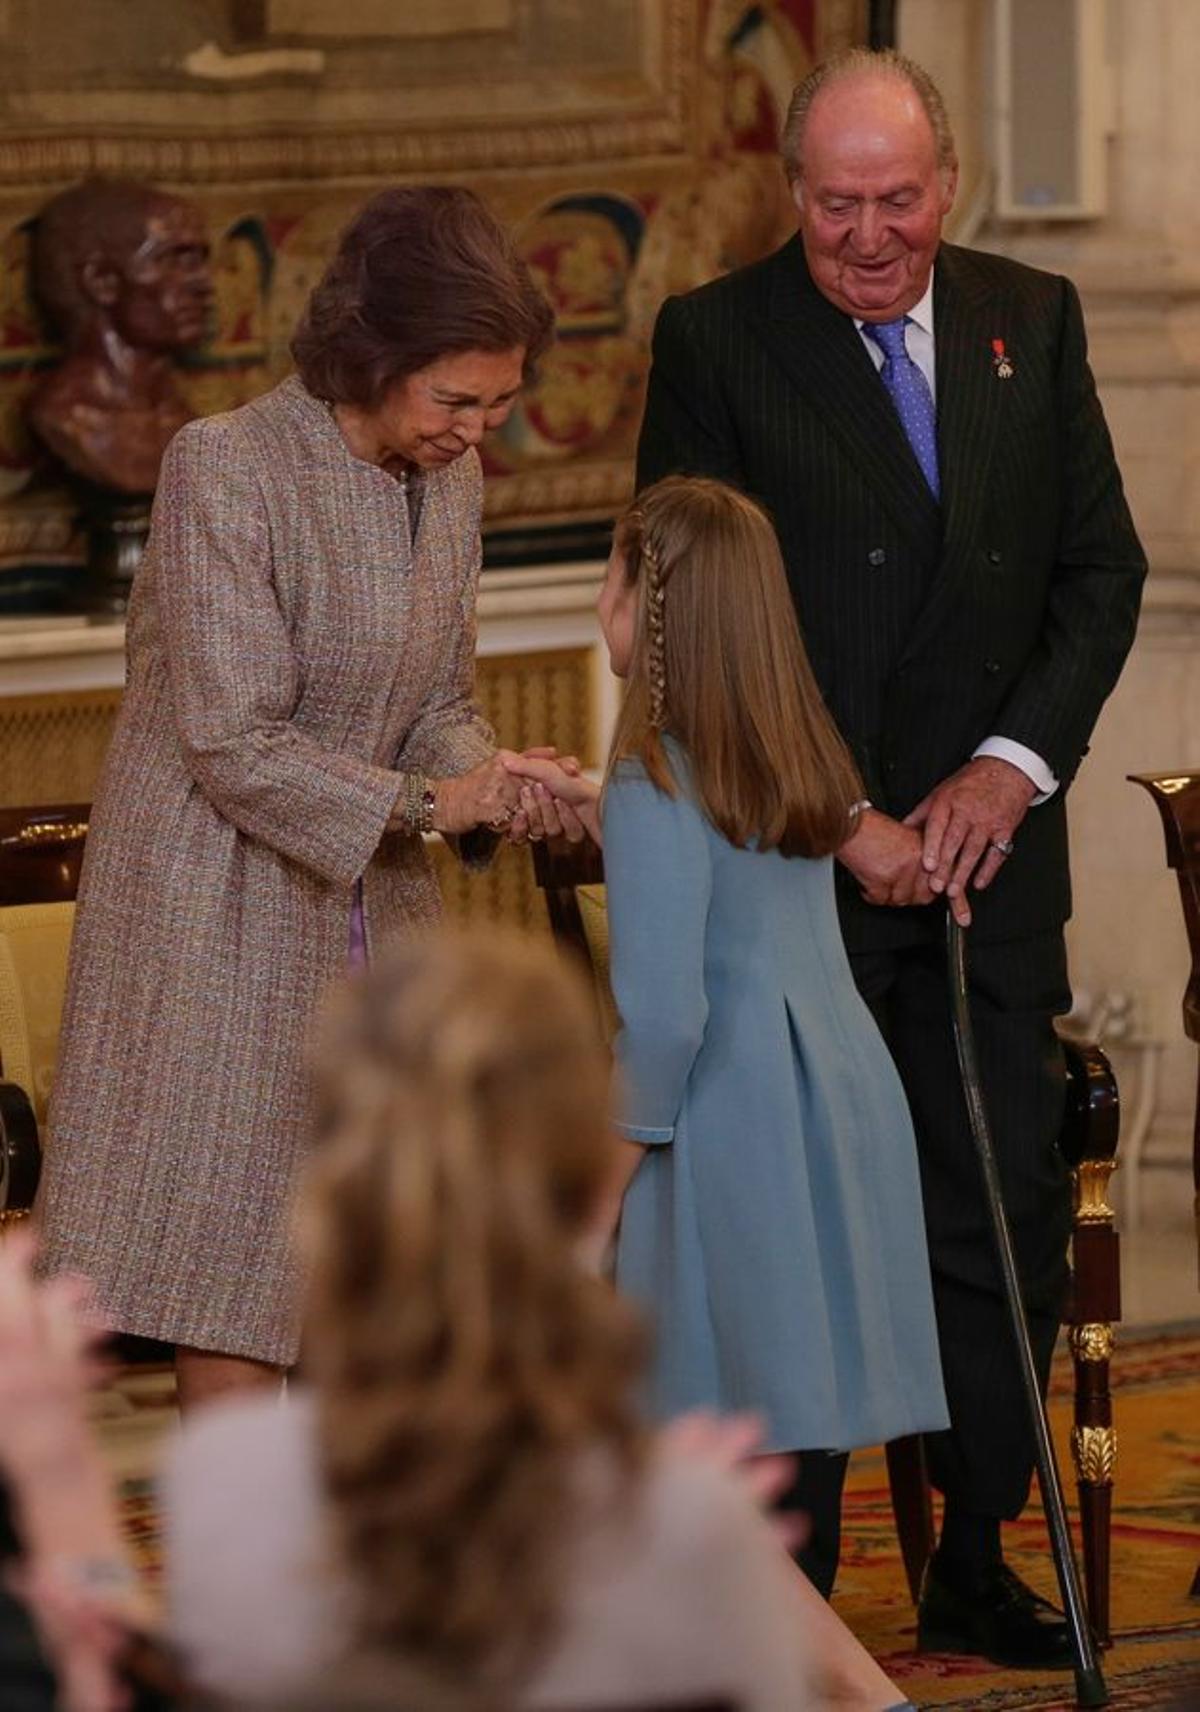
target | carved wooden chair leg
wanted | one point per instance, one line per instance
(912, 1506)
(1096, 1307)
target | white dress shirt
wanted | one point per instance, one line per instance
(919, 342)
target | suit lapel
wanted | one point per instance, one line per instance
(971, 400)
(820, 350)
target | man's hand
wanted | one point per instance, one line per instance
(968, 820)
(885, 858)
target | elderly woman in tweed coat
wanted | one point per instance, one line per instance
(299, 710)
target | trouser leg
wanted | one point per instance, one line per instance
(984, 1463)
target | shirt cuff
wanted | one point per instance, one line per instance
(1028, 761)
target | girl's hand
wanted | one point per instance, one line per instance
(538, 815)
(571, 792)
(544, 816)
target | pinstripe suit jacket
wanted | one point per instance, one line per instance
(1007, 609)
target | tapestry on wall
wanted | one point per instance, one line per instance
(631, 144)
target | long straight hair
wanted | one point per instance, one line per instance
(719, 664)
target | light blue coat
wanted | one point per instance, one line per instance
(774, 1230)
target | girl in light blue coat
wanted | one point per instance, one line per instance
(768, 1210)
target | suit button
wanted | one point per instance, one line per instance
(877, 557)
(994, 556)
(991, 666)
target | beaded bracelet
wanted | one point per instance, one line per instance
(420, 800)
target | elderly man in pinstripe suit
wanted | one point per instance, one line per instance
(922, 424)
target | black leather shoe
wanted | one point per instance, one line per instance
(1001, 1619)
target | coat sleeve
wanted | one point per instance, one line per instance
(687, 428)
(658, 876)
(450, 735)
(1095, 590)
(234, 679)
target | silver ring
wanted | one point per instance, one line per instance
(1003, 845)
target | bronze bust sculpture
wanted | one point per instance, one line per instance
(122, 270)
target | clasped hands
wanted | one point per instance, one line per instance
(504, 794)
(958, 835)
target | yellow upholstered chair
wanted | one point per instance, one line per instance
(40, 855)
(34, 942)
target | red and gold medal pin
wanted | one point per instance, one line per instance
(1001, 361)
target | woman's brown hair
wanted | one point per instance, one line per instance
(718, 662)
(465, 1365)
(422, 272)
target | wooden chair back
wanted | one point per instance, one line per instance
(1177, 799)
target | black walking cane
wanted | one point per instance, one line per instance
(1090, 1689)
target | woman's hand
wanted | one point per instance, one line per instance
(486, 796)
(565, 801)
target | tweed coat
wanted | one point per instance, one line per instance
(291, 650)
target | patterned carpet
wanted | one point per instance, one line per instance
(1156, 1548)
(1156, 1537)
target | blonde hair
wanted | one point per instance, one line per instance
(718, 662)
(462, 1360)
(859, 62)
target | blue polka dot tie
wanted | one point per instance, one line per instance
(910, 394)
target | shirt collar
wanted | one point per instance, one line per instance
(921, 313)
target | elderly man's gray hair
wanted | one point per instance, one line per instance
(857, 62)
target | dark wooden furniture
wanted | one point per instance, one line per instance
(1177, 798)
(1089, 1145)
(41, 851)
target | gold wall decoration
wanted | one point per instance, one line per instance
(52, 747)
(630, 144)
(529, 698)
(541, 698)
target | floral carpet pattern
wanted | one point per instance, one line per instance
(1155, 1661)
